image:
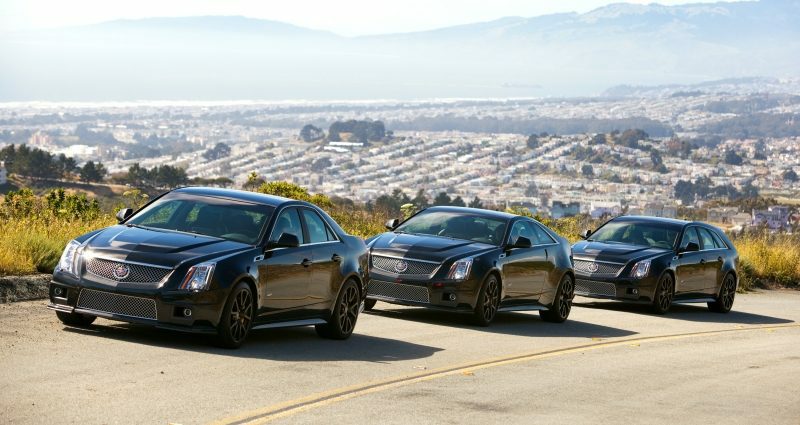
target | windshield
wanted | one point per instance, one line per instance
(221, 218)
(456, 225)
(644, 234)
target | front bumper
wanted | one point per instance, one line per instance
(617, 288)
(158, 307)
(430, 293)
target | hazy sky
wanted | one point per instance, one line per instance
(345, 17)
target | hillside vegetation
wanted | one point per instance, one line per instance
(34, 230)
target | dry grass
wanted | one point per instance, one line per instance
(767, 260)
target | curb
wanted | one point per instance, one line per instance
(24, 288)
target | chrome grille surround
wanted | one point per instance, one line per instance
(123, 305)
(584, 267)
(139, 273)
(398, 291)
(413, 267)
(593, 287)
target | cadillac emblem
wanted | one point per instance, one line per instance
(400, 266)
(121, 271)
(592, 267)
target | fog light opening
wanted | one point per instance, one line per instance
(452, 297)
(59, 292)
(187, 312)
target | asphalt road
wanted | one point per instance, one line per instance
(609, 363)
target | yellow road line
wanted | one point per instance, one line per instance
(322, 399)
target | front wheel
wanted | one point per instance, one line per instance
(75, 319)
(488, 302)
(562, 304)
(237, 317)
(662, 299)
(345, 314)
(727, 293)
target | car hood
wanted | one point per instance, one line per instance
(158, 247)
(425, 247)
(614, 252)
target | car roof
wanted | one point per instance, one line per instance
(476, 211)
(649, 219)
(241, 195)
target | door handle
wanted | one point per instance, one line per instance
(306, 262)
(336, 258)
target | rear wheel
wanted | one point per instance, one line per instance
(345, 314)
(488, 302)
(75, 319)
(665, 290)
(369, 304)
(237, 317)
(727, 293)
(562, 304)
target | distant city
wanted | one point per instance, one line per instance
(645, 150)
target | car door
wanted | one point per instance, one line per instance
(523, 267)
(712, 261)
(285, 273)
(327, 251)
(690, 268)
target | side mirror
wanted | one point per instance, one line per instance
(521, 242)
(123, 214)
(392, 223)
(286, 240)
(690, 247)
(586, 233)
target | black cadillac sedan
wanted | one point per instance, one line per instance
(657, 261)
(218, 262)
(472, 260)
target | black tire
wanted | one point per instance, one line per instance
(75, 319)
(488, 302)
(727, 293)
(345, 313)
(664, 294)
(562, 304)
(237, 317)
(369, 304)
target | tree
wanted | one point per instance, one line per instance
(533, 141)
(421, 200)
(476, 203)
(732, 158)
(442, 199)
(92, 173)
(254, 181)
(632, 137)
(790, 175)
(311, 133)
(220, 150)
(458, 202)
(532, 191)
(321, 164)
(598, 139)
(587, 170)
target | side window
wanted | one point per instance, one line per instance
(542, 237)
(690, 235)
(317, 231)
(718, 241)
(522, 229)
(288, 222)
(708, 240)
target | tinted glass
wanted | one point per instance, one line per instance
(635, 233)
(221, 218)
(288, 222)
(316, 227)
(689, 236)
(456, 226)
(718, 241)
(708, 240)
(542, 235)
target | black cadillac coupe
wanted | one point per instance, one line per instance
(218, 262)
(472, 260)
(657, 261)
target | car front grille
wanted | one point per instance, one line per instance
(588, 268)
(398, 291)
(592, 287)
(412, 267)
(123, 305)
(137, 273)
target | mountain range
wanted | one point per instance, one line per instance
(567, 54)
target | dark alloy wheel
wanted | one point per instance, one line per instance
(662, 299)
(488, 302)
(727, 293)
(345, 314)
(75, 319)
(237, 318)
(562, 304)
(369, 304)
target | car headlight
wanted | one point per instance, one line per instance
(69, 258)
(198, 277)
(640, 269)
(460, 269)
